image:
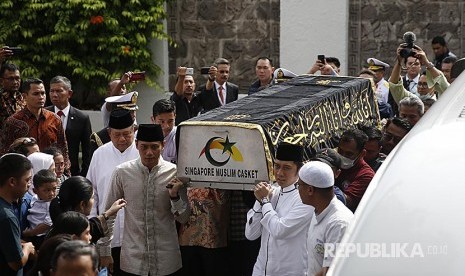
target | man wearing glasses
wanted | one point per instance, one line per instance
(431, 82)
(394, 131)
(11, 100)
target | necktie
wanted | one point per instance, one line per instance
(221, 94)
(407, 83)
(62, 118)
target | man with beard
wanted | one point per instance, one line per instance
(185, 98)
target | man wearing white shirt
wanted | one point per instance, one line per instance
(280, 218)
(164, 114)
(410, 80)
(331, 218)
(122, 148)
(382, 85)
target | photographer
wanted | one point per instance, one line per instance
(430, 83)
(185, 96)
(330, 67)
(218, 91)
(5, 53)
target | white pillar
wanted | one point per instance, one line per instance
(149, 95)
(312, 27)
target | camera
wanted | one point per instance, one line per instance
(204, 70)
(16, 50)
(409, 39)
(137, 76)
(189, 71)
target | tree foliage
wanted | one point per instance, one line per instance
(89, 41)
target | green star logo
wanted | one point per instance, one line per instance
(227, 145)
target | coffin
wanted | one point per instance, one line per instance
(231, 147)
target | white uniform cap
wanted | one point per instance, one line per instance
(317, 174)
(281, 75)
(376, 64)
(127, 101)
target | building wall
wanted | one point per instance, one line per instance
(377, 26)
(240, 31)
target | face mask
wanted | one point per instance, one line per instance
(347, 163)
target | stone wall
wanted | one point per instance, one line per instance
(376, 28)
(240, 31)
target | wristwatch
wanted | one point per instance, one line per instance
(264, 201)
(429, 65)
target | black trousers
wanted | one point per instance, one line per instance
(116, 254)
(242, 256)
(201, 261)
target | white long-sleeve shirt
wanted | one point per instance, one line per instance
(102, 166)
(282, 225)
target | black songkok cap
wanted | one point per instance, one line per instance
(290, 152)
(120, 119)
(150, 133)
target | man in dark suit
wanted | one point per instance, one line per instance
(75, 122)
(218, 91)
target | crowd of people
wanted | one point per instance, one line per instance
(77, 201)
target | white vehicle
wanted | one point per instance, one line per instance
(411, 219)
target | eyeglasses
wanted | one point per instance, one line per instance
(423, 84)
(29, 140)
(388, 137)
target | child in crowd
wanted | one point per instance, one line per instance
(45, 186)
(72, 223)
(59, 164)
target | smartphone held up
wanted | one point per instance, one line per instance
(137, 76)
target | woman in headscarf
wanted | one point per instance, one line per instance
(40, 161)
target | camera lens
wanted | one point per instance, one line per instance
(405, 52)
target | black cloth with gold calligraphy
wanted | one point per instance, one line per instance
(311, 110)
